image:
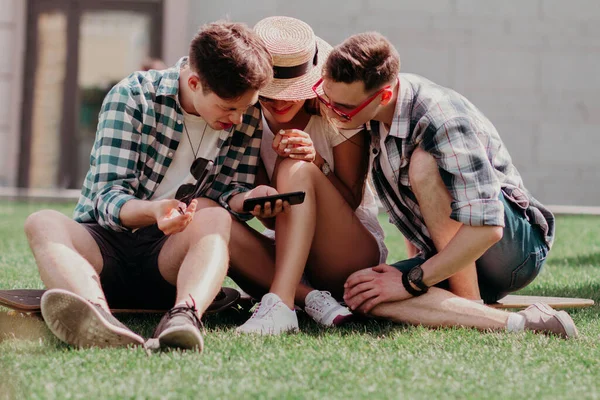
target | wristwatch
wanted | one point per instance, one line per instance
(325, 168)
(414, 277)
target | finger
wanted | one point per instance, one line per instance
(294, 132)
(300, 141)
(302, 150)
(358, 289)
(192, 207)
(276, 141)
(302, 157)
(384, 268)
(357, 301)
(370, 304)
(359, 277)
(278, 207)
(270, 191)
(282, 144)
(286, 207)
(267, 210)
(256, 211)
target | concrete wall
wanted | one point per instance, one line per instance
(532, 66)
(12, 39)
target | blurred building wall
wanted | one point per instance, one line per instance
(12, 40)
(532, 66)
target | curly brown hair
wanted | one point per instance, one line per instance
(230, 59)
(368, 57)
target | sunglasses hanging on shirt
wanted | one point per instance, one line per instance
(199, 170)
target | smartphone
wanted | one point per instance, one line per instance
(292, 198)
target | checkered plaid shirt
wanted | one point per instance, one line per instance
(139, 128)
(473, 162)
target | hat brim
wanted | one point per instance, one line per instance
(299, 88)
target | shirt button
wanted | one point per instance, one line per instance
(374, 151)
(170, 154)
(179, 122)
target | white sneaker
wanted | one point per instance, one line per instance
(326, 310)
(271, 317)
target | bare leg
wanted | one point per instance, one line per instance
(434, 203)
(196, 259)
(66, 255)
(252, 262)
(440, 308)
(322, 234)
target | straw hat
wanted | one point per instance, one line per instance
(298, 57)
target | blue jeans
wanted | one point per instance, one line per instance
(510, 264)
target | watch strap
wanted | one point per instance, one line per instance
(409, 288)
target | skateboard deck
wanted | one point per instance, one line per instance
(517, 301)
(28, 301)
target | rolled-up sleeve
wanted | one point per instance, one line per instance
(244, 176)
(467, 173)
(115, 157)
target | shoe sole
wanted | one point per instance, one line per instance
(268, 332)
(75, 321)
(564, 318)
(342, 319)
(184, 338)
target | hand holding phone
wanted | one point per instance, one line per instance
(292, 198)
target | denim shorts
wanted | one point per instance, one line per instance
(510, 264)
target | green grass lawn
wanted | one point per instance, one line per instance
(362, 360)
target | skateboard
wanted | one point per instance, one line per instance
(517, 301)
(28, 301)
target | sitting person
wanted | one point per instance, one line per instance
(335, 232)
(449, 185)
(139, 239)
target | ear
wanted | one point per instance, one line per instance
(194, 82)
(386, 96)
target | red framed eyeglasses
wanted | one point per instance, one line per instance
(346, 115)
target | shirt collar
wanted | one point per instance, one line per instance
(169, 84)
(401, 120)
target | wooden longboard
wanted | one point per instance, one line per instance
(28, 301)
(516, 302)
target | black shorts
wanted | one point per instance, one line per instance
(130, 276)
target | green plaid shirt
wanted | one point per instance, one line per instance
(139, 128)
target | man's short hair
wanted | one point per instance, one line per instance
(368, 57)
(230, 59)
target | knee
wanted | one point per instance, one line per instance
(422, 168)
(296, 172)
(204, 202)
(210, 220)
(41, 221)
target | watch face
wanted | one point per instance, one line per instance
(415, 274)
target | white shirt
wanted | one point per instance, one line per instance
(325, 138)
(204, 142)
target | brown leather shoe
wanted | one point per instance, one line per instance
(540, 317)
